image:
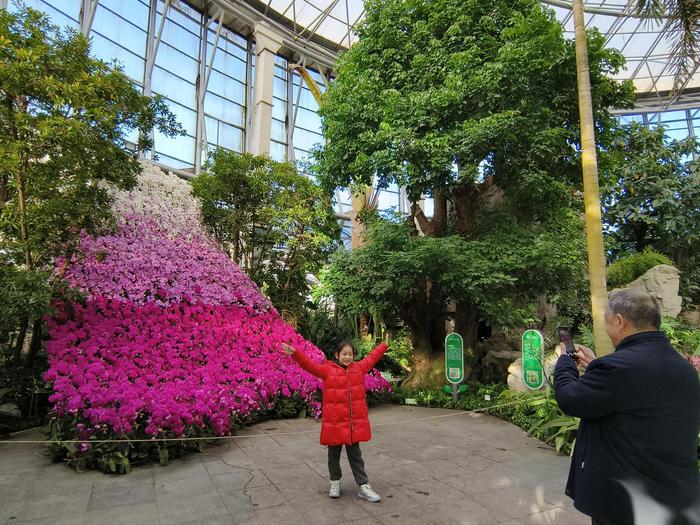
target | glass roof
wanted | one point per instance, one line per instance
(640, 40)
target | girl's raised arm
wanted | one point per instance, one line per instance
(311, 366)
(375, 355)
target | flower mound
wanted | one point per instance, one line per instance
(173, 339)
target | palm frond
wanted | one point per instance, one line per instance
(653, 9)
(682, 30)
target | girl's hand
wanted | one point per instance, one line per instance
(287, 349)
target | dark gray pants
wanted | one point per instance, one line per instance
(357, 464)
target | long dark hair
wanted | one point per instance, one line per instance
(339, 347)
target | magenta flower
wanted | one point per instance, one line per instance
(173, 334)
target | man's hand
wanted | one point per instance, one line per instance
(583, 356)
(287, 349)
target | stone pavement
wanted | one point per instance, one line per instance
(459, 469)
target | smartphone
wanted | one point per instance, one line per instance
(565, 337)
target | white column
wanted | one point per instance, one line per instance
(267, 44)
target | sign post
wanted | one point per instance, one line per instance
(454, 361)
(533, 353)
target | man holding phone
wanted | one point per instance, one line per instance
(635, 458)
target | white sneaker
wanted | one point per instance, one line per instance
(335, 489)
(367, 493)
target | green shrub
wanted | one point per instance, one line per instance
(398, 358)
(684, 337)
(324, 329)
(627, 269)
(401, 350)
(23, 394)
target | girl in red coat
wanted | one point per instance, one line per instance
(345, 419)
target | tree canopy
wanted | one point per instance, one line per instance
(65, 118)
(487, 86)
(475, 104)
(651, 190)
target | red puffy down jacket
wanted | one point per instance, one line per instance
(345, 419)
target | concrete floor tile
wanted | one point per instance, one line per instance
(193, 508)
(259, 479)
(278, 515)
(557, 516)
(515, 502)
(265, 496)
(453, 469)
(217, 520)
(237, 504)
(393, 500)
(292, 475)
(194, 485)
(402, 474)
(108, 494)
(72, 519)
(414, 516)
(136, 514)
(333, 511)
(52, 506)
(366, 521)
(235, 480)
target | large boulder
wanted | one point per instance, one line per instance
(494, 355)
(495, 364)
(515, 376)
(662, 282)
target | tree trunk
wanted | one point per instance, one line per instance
(35, 344)
(19, 344)
(640, 235)
(4, 194)
(591, 192)
(236, 247)
(22, 205)
(439, 221)
(434, 227)
(364, 325)
(428, 366)
(421, 317)
(466, 206)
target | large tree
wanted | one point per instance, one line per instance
(408, 279)
(64, 121)
(651, 190)
(471, 102)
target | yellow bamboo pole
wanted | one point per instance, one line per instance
(310, 82)
(591, 191)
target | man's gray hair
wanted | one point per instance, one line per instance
(637, 306)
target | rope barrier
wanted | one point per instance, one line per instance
(250, 436)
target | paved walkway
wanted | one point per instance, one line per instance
(460, 469)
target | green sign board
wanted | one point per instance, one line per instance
(533, 352)
(454, 358)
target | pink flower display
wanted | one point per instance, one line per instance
(173, 335)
